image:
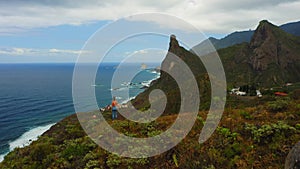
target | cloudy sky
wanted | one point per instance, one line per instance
(56, 30)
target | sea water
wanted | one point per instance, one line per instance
(33, 97)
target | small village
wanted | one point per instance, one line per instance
(248, 90)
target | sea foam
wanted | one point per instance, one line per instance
(26, 138)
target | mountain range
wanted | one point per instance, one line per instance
(270, 59)
(243, 36)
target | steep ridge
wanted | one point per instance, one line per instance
(169, 86)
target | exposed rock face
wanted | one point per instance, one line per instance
(173, 43)
(167, 83)
(271, 45)
(293, 158)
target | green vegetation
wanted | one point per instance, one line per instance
(246, 115)
(278, 105)
(270, 132)
(252, 137)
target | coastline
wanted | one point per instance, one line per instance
(33, 134)
(27, 138)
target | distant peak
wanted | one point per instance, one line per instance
(265, 23)
(173, 42)
(173, 37)
(265, 30)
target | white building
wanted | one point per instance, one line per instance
(258, 93)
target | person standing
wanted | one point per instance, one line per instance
(114, 109)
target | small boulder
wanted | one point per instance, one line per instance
(293, 159)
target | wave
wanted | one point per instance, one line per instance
(153, 70)
(26, 138)
(118, 89)
(97, 85)
(127, 100)
(148, 82)
(118, 98)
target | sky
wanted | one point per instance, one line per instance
(58, 30)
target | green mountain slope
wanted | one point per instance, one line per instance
(271, 58)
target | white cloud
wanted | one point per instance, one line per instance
(39, 52)
(15, 51)
(59, 51)
(139, 52)
(215, 16)
(145, 55)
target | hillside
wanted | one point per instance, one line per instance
(230, 40)
(292, 28)
(272, 58)
(252, 137)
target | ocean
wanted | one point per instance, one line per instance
(33, 97)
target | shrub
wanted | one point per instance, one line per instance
(245, 115)
(40, 151)
(233, 150)
(113, 160)
(278, 105)
(74, 149)
(297, 126)
(269, 132)
(227, 133)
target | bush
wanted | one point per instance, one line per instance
(233, 150)
(297, 126)
(245, 115)
(269, 132)
(231, 136)
(74, 149)
(278, 105)
(40, 152)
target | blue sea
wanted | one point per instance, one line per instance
(33, 97)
